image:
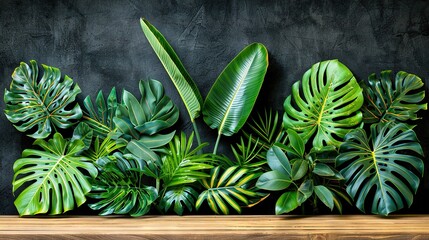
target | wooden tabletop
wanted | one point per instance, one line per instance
(216, 227)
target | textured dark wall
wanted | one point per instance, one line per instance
(100, 45)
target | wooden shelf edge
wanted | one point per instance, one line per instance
(216, 227)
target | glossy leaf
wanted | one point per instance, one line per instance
(273, 181)
(119, 190)
(100, 116)
(325, 195)
(84, 133)
(387, 161)
(388, 100)
(324, 105)
(287, 202)
(231, 98)
(228, 189)
(42, 104)
(52, 178)
(183, 82)
(180, 197)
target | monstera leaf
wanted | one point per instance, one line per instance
(42, 104)
(119, 187)
(100, 117)
(387, 100)
(231, 98)
(180, 197)
(223, 190)
(141, 121)
(52, 177)
(325, 104)
(382, 168)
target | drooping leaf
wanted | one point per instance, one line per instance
(325, 104)
(41, 104)
(100, 117)
(54, 177)
(389, 100)
(183, 165)
(181, 197)
(382, 168)
(305, 191)
(232, 96)
(325, 195)
(183, 82)
(119, 190)
(228, 189)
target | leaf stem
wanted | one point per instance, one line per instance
(217, 143)
(197, 134)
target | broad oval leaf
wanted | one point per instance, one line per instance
(287, 202)
(183, 82)
(278, 161)
(273, 181)
(325, 195)
(324, 104)
(387, 100)
(232, 96)
(54, 177)
(384, 162)
(42, 104)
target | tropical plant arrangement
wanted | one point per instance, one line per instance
(338, 141)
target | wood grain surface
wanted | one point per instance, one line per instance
(216, 227)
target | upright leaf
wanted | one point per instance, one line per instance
(185, 86)
(52, 177)
(389, 100)
(325, 104)
(383, 167)
(41, 104)
(231, 98)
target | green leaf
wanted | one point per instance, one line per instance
(247, 155)
(228, 190)
(278, 161)
(100, 117)
(183, 165)
(84, 133)
(389, 100)
(386, 162)
(181, 197)
(41, 104)
(299, 169)
(231, 98)
(305, 191)
(323, 170)
(184, 84)
(118, 188)
(273, 181)
(325, 195)
(52, 178)
(325, 104)
(296, 143)
(287, 202)
(140, 150)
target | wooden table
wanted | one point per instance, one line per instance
(216, 227)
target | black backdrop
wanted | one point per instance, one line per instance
(100, 45)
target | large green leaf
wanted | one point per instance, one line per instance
(183, 165)
(387, 100)
(100, 117)
(42, 104)
(185, 86)
(231, 98)
(224, 189)
(119, 187)
(325, 104)
(52, 177)
(382, 168)
(180, 197)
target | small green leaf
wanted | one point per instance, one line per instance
(325, 195)
(323, 170)
(278, 161)
(142, 151)
(84, 133)
(296, 143)
(273, 181)
(287, 202)
(305, 191)
(299, 169)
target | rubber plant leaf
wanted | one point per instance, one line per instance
(100, 116)
(228, 189)
(233, 95)
(119, 190)
(183, 82)
(388, 100)
(53, 179)
(41, 104)
(324, 104)
(384, 168)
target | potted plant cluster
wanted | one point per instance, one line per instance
(338, 141)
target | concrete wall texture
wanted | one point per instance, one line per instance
(100, 45)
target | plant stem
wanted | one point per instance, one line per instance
(157, 184)
(217, 143)
(197, 134)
